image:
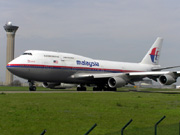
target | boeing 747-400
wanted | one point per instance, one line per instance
(58, 70)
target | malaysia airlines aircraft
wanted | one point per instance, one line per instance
(61, 70)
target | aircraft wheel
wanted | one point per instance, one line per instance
(84, 89)
(81, 88)
(32, 88)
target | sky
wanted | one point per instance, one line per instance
(118, 30)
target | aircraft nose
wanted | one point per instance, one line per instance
(10, 66)
(16, 67)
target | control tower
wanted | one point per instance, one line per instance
(10, 31)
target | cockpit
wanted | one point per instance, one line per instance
(26, 53)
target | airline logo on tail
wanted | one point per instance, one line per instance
(154, 54)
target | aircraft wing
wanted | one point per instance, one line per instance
(131, 74)
(165, 77)
(153, 73)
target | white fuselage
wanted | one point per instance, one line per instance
(46, 66)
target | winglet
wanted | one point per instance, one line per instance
(152, 57)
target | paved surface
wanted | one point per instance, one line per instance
(165, 92)
(53, 91)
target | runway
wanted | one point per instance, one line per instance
(68, 91)
(55, 91)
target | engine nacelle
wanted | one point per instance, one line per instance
(167, 79)
(58, 85)
(116, 82)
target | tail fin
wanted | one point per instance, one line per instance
(152, 57)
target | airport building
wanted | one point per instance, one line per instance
(10, 32)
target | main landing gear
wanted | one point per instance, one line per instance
(32, 87)
(96, 88)
(81, 88)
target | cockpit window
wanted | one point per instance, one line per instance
(27, 53)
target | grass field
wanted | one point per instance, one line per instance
(76, 113)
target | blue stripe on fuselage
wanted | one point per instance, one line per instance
(66, 68)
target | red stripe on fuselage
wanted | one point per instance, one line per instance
(70, 67)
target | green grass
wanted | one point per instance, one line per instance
(76, 113)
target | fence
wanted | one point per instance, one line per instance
(125, 126)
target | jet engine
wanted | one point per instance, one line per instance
(57, 85)
(116, 82)
(167, 79)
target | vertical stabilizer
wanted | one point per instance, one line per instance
(152, 57)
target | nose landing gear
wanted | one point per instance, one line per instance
(32, 87)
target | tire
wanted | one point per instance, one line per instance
(32, 88)
(81, 88)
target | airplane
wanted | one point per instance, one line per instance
(61, 70)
